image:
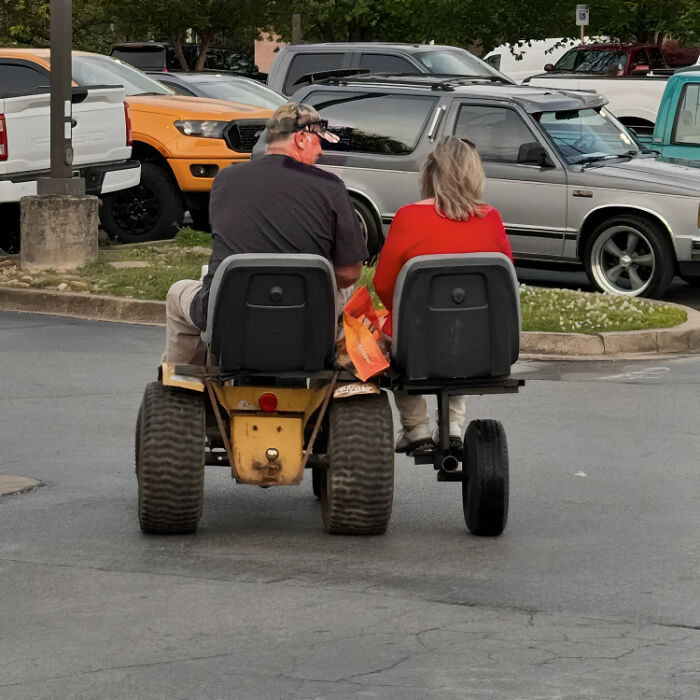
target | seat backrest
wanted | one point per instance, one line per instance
(270, 312)
(456, 316)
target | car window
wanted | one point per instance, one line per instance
(145, 59)
(456, 62)
(104, 70)
(687, 126)
(373, 122)
(384, 63)
(497, 132)
(656, 59)
(18, 78)
(585, 135)
(641, 58)
(305, 63)
(248, 93)
(494, 61)
(592, 61)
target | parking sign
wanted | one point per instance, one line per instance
(582, 15)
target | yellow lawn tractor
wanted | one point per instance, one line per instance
(270, 404)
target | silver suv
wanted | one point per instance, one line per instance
(572, 185)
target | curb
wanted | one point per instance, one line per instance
(680, 339)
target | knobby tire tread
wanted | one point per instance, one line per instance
(171, 460)
(358, 489)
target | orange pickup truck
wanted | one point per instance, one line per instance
(177, 139)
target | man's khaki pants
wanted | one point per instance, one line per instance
(183, 340)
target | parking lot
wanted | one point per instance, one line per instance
(591, 591)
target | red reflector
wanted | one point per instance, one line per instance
(3, 138)
(268, 402)
(127, 120)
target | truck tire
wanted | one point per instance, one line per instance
(170, 460)
(485, 483)
(358, 490)
(148, 212)
(371, 230)
(630, 255)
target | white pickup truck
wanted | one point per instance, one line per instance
(101, 137)
(633, 99)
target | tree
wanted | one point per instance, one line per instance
(175, 19)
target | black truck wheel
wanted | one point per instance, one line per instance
(148, 212)
(485, 484)
(170, 460)
(358, 490)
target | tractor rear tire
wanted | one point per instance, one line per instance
(358, 490)
(485, 486)
(170, 460)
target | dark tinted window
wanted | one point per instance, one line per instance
(145, 59)
(373, 123)
(306, 63)
(18, 79)
(657, 59)
(497, 132)
(383, 63)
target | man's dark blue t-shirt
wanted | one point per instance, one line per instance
(276, 204)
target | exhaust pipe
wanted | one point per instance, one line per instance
(449, 463)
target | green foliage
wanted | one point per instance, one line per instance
(189, 238)
(472, 23)
(567, 311)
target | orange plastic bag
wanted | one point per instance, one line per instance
(363, 350)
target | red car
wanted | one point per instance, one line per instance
(610, 59)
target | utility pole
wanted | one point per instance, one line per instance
(296, 29)
(61, 180)
(58, 226)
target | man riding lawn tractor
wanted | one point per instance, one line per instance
(248, 377)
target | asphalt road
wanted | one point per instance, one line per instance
(593, 591)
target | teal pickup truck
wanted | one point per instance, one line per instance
(677, 128)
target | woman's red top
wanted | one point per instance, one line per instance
(417, 229)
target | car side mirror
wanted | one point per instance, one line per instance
(534, 154)
(549, 67)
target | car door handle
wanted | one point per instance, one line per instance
(73, 123)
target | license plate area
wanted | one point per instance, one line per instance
(267, 449)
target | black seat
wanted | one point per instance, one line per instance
(272, 313)
(456, 316)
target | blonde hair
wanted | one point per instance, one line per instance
(453, 174)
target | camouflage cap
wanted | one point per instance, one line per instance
(291, 117)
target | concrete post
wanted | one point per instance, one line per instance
(59, 232)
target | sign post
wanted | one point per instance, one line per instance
(582, 17)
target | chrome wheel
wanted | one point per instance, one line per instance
(622, 260)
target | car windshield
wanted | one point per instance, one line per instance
(451, 62)
(592, 61)
(587, 135)
(103, 70)
(249, 93)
